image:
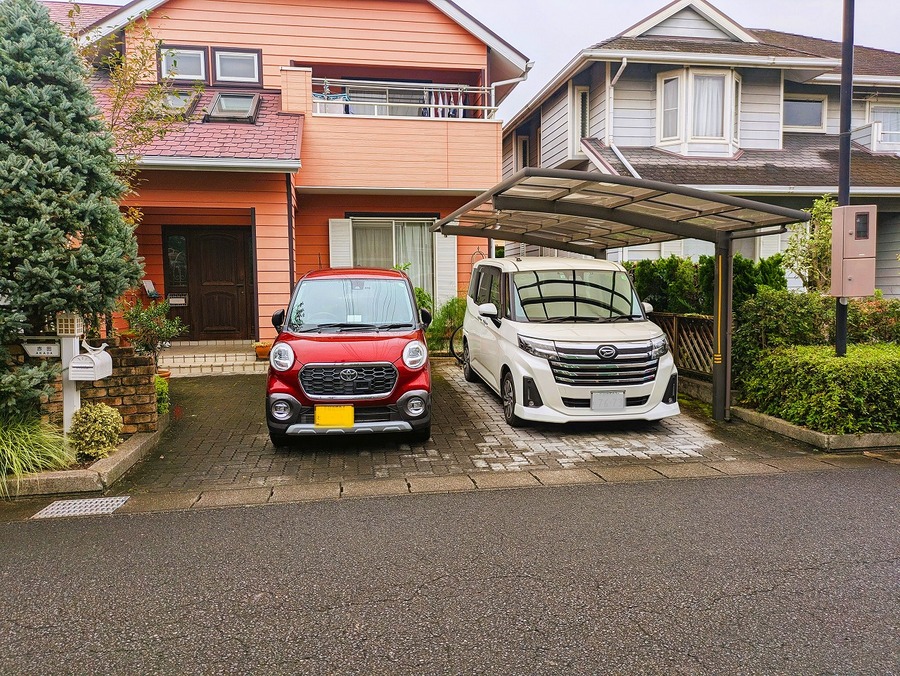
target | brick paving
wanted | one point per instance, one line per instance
(218, 441)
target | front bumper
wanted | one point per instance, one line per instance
(567, 403)
(369, 419)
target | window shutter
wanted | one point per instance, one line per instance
(445, 277)
(769, 245)
(340, 243)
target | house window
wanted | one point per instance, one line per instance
(523, 153)
(403, 243)
(889, 116)
(237, 66)
(708, 112)
(804, 113)
(183, 63)
(233, 108)
(582, 117)
(736, 107)
(671, 97)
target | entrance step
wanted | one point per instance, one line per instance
(199, 358)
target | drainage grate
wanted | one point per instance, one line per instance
(85, 507)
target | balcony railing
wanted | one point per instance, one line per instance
(402, 99)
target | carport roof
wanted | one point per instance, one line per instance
(588, 212)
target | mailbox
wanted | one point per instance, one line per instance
(853, 251)
(95, 364)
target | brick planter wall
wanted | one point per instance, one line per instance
(131, 389)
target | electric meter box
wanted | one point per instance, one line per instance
(93, 365)
(853, 232)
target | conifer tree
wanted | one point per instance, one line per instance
(64, 244)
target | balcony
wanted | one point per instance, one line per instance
(874, 137)
(402, 99)
(376, 135)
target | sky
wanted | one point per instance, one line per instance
(552, 33)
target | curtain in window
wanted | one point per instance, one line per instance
(889, 116)
(373, 244)
(709, 102)
(413, 243)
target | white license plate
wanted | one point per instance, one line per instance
(607, 401)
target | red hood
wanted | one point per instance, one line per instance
(348, 348)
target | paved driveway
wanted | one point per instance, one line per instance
(218, 440)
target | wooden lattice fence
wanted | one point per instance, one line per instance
(691, 338)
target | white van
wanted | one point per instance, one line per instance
(564, 340)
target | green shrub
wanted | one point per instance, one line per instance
(28, 445)
(152, 328)
(774, 318)
(874, 320)
(95, 431)
(810, 386)
(445, 320)
(162, 395)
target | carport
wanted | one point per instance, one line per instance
(590, 212)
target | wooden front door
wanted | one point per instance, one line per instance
(209, 281)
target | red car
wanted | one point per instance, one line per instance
(350, 358)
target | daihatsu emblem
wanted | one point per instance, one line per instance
(349, 375)
(607, 352)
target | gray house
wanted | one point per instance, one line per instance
(688, 96)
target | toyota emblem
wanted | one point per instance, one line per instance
(349, 375)
(607, 352)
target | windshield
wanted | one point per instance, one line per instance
(574, 295)
(346, 303)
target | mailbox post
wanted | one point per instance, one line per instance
(69, 328)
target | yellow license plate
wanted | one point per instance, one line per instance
(334, 416)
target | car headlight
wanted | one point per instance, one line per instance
(546, 349)
(415, 354)
(281, 357)
(658, 347)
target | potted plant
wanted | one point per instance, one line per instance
(151, 328)
(262, 348)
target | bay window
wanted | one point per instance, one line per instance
(698, 110)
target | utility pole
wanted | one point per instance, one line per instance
(840, 329)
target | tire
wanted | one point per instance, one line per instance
(468, 373)
(420, 436)
(279, 440)
(508, 397)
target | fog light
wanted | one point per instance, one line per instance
(532, 397)
(671, 394)
(281, 410)
(415, 406)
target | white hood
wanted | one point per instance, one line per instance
(583, 332)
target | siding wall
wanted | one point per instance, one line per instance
(314, 212)
(555, 129)
(761, 109)
(634, 122)
(376, 33)
(887, 271)
(688, 24)
(508, 163)
(598, 101)
(198, 193)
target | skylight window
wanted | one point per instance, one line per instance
(233, 108)
(181, 102)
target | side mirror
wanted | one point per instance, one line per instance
(426, 317)
(488, 310)
(278, 320)
(647, 308)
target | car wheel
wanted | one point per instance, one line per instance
(279, 440)
(508, 395)
(468, 373)
(420, 435)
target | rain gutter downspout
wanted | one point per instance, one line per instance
(515, 80)
(612, 117)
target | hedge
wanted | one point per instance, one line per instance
(810, 386)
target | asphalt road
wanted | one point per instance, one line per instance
(787, 574)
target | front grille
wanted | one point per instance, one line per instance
(579, 364)
(361, 414)
(324, 381)
(586, 403)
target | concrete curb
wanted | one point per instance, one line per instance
(99, 476)
(829, 442)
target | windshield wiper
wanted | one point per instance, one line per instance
(395, 325)
(338, 326)
(623, 318)
(571, 318)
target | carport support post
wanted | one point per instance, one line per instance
(721, 369)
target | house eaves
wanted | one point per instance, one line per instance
(863, 80)
(801, 190)
(710, 13)
(219, 164)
